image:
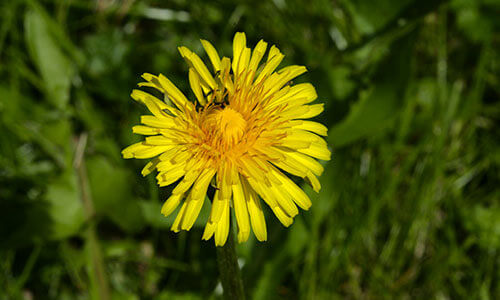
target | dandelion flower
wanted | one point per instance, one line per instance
(245, 134)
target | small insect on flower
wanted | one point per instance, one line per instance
(245, 134)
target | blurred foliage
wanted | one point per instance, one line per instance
(410, 204)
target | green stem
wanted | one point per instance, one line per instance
(98, 278)
(21, 281)
(229, 270)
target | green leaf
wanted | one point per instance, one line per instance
(370, 16)
(55, 68)
(379, 105)
(64, 206)
(340, 84)
(112, 194)
(9, 104)
(484, 224)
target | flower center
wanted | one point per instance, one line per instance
(229, 124)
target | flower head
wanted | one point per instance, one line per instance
(245, 133)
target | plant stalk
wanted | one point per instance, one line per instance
(229, 270)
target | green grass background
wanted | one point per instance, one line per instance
(410, 204)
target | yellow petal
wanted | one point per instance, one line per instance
(192, 211)
(303, 111)
(155, 105)
(241, 212)
(243, 61)
(302, 136)
(309, 126)
(282, 216)
(255, 211)
(209, 230)
(270, 66)
(171, 204)
(295, 144)
(159, 140)
(130, 150)
(224, 182)
(250, 168)
(212, 54)
(167, 158)
(263, 192)
(195, 200)
(274, 51)
(149, 167)
(257, 55)
(167, 178)
(185, 183)
(152, 81)
(270, 152)
(142, 150)
(176, 225)
(151, 152)
(175, 94)
(303, 93)
(153, 121)
(226, 65)
(145, 130)
(283, 77)
(194, 82)
(293, 70)
(217, 207)
(289, 166)
(296, 192)
(313, 180)
(222, 230)
(239, 44)
(196, 62)
(317, 150)
(302, 160)
(199, 189)
(181, 156)
(284, 200)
